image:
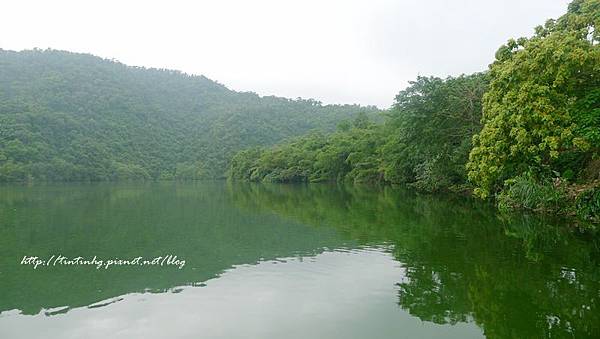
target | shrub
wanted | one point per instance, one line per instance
(526, 192)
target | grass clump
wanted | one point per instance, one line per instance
(526, 192)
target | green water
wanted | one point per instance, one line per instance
(281, 261)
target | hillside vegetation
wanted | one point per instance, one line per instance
(71, 117)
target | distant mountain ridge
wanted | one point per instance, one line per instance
(68, 116)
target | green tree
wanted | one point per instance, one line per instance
(541, 112)
(430, 128)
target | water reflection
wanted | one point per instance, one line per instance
(290, 261)
(195, 222)
(515, 276)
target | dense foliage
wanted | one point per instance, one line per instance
(67, 116)
(425, 142)
(348, 153)
(431, 127)
(542, 109)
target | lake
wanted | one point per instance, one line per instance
(285, 261)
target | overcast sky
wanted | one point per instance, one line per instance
(346, 51)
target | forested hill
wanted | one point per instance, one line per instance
(68, 116)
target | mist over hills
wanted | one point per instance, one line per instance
(67, 116)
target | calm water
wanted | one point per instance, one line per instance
(280, 261)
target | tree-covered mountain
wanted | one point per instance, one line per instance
(69, 116)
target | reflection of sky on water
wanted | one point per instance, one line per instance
(349, 294)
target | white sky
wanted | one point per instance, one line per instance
(336, 51)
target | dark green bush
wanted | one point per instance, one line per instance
(587, 205)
